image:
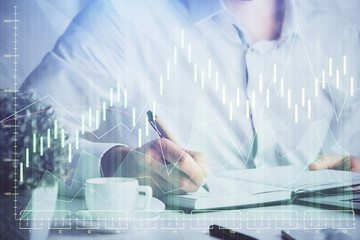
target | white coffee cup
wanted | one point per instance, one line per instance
(115, 197)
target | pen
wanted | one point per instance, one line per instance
(163, 133)
(227, 234)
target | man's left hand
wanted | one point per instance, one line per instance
(336, 162)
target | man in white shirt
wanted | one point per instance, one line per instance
(246, 83)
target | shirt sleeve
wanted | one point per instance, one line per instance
(75, 79)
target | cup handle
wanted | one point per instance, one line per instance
(148, 195)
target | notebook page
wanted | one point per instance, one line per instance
(225, 192)
(296, 178)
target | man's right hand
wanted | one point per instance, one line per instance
(163, 165)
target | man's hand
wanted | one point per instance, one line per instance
(162, 165)
(336, 162)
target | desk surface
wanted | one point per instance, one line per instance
(262, 223)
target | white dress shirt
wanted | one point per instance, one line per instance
(193, 63)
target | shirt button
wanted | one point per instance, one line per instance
(252, 50)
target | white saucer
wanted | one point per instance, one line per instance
(83, 219)
(156, 206)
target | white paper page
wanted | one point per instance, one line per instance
(225, 192)
(220, 186)
(295, 178)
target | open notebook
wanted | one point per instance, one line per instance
(262, 186)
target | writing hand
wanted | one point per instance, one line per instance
(183, 171)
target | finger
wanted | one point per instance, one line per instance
(182, 182)
(161, 187)
(176, 182)
(200, 158)
(355, 164)
(171, 178)
(324, 162)
(181, 160)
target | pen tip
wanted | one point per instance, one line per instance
(206, 187)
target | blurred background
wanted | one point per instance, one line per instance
(41, 22)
